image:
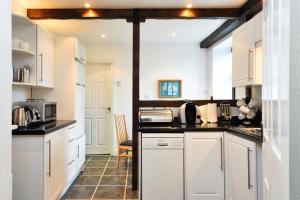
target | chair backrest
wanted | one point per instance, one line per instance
(120, 124)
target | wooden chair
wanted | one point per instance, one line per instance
(124, 145)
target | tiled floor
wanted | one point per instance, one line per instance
(102, 179)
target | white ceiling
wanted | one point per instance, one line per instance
(90, 31)
(120, 32)
(132, 3)
(186, 31)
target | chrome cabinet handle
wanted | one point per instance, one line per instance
(70, 163)
(162, 144)
(71, 140)
(221, 143)
(79, 137)
(83, 85)
(250, 51)
(49, 160)
(41, 55)
(249, 168)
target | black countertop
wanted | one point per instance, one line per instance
(232, 128)
(42, 129)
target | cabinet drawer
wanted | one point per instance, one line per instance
(70, 168)
(71, 133)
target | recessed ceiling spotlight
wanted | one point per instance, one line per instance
(173, 34)
(103, 36)
(87, 5)
(189, 5)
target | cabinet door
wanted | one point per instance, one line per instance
(80, 109)
(81, 150)
(258, 27)
(204, 166)
(243, 53)
(45, 58)
(54, 167)
(240, 160)
(80, 73)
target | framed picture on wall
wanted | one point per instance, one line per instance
(169, 88)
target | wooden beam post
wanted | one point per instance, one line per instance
(247, 11)
(135, 95)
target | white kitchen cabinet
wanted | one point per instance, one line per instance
(74, 154)
(53, 166)
(241, 168)
(37, 165)
(204, 166)
(45, 58)
(69, 84)
(44, 166)
(245, 70)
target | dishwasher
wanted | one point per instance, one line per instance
(162, 166)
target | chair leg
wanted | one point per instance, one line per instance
(118, 158)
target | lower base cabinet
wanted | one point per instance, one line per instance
(204, 166)
(44, 166)
(241, 168)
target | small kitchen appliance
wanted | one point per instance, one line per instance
(47, 110)
(155, 116)
(25, 115)
(189, 114)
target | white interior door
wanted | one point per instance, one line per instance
(98, 117)
(275, 149)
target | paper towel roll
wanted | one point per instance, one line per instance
(212, 113)
(203, 113)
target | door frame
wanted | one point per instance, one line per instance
(113, 102)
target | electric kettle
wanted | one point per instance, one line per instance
(24, 115)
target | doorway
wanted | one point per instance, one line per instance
(98, 111)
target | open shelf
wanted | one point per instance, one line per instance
(24, 84)
(22, 52)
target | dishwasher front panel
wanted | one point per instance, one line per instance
(162, 169)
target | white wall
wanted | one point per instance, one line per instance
(186, 62)
(18, 9)
(19, 93)
(6, 99)
(120, 56)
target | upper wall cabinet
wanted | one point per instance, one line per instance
(45, 58)
(32, 54)
(23, 51)
(247, 54)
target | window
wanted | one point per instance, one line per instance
(222, 70)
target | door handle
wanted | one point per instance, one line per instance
(249, 168)
(108, 109)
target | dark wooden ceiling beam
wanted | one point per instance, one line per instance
(224, 30)
(80, 14)
(251, 8)
(226, 13)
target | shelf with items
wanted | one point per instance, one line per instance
(17, 51)
(24, 51)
